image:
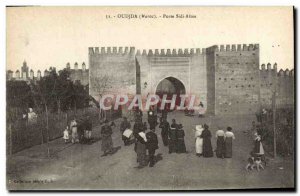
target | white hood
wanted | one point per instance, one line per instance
(199, 128)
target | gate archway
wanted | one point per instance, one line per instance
(170, 86)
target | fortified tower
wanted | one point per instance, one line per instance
(112, 70)
(236, 70)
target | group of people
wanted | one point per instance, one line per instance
(203, 142)
(191, 112)
(78, 132)
(173, 136)
(146, 139)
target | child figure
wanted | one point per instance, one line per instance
(66, 134)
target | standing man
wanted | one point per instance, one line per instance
(81, 127)
(152, 118)
(138, 126)
(106, 145)
(173, 137)
(138, 114)
(180, 140)
(152, 145)
(125, 125)
(164, 113)
(165, 127)
(207, 147)
(140, 143)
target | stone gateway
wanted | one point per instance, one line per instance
(227, 79)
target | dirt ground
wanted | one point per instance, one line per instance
(81, 167)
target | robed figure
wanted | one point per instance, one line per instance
(152, 119)
(220, 151)
(89, 128)
(258, 147)
(207, 147)
(229, 137)
(173, 137)
(140, 143)
(180, 140)
(199, 140)
(165, 127)
(125, 125)
(107, 144)
(152, 145)
(138, 114)
(73, 127)
(164, 113)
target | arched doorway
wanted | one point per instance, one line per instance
(170, 86)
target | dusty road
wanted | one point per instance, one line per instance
(81, 166)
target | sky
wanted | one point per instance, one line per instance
(53, 36)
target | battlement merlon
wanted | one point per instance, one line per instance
(233, 47)
(83, 66)
(269, 67)
(286, 73)
(111, 51)
(68, 66)
(187, 52)
(174, 52)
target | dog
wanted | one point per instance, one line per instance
(258, 163)
(255, 162)
(250, 165)
(263, 158)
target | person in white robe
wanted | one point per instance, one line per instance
(73, 126)
(66, 135)
(32, 117)
(258, 147)
(199, 140)
(201, 110)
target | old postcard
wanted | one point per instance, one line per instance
(150, 98)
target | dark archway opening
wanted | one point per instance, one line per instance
(170, 86)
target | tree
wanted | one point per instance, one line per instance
(100, 84)
(61, 93)
(18, 99)
(53, 93)
(18, 95)
(56, 92)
